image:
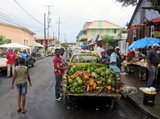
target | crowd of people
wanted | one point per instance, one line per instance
(152, 56)
(113, 60)
(110, 57)
(13, 59)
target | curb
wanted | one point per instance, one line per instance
(140, 107)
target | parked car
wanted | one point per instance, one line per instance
(3, 63)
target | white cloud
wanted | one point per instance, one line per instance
(73, 14)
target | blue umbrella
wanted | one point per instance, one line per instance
(141, 43)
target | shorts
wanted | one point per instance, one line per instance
(22, 88)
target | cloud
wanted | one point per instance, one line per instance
(73, 14)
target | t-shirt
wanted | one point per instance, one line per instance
(21, 74)
(154, 58)
(57, 61)
(11, 57)
(100, 50)
(114, 67)
(25, 56)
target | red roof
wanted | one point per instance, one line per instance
(155, 20)
(135, 26)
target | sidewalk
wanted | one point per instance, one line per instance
(152, 112)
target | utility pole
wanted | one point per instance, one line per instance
(53, 39)
(45, 33)
(45, 28)
(49, 22)
(59, 22)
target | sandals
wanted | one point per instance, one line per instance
(19, 110)
(23, 112)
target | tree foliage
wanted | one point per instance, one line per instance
(108, 39)
(65, 45)
(155, 3)
(128, 2)
(2, 40)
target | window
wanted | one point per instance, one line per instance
(84, 32)
(24, 41)
(93, 32)
(114, 31)
(134, 34)
(8, 40)
(108, 31)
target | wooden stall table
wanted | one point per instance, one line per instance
(139, 69)
(142, 72)
(131, 68)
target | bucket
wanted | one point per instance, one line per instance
(148, 99)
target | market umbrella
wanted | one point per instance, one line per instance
(35, 44)
(14, 45)
(141, 43)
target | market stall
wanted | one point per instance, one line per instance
(139, 68)
(137, 62)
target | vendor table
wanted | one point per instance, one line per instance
(138, 69)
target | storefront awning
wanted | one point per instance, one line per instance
(155, 20)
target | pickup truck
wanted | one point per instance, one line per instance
(86, 77)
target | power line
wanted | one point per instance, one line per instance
(26, 12)
(12, 20)
(7, 19)
(19, 19)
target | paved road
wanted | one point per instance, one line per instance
(41, 103)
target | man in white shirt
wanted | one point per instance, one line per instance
(99, 49)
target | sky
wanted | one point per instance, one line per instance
(72, 13)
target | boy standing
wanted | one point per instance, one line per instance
(21, 75)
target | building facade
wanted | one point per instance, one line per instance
(145, 21)
(17, 34)
(47, 42)
(92, 29)
(93, 33)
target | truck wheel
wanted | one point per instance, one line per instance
(112, 104)
(67, 101)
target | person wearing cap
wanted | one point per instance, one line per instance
(113, 61)
(10, 62)
(25, 56)
(117, 51)
(153, 61)
(105, 58)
